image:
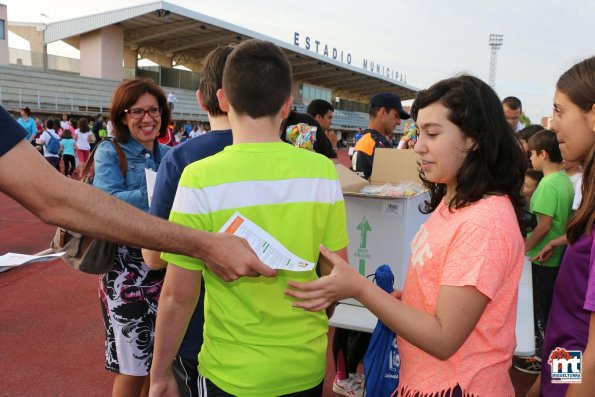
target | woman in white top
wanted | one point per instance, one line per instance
(83, 148)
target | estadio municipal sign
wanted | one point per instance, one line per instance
(329, 51)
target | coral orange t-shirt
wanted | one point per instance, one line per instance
(478, 245)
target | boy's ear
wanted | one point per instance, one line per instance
(286, 108)
(201, 100)
(223, 104)
(592, 117)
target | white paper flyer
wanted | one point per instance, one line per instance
(151, 176)
(11, 259)
(270, 251)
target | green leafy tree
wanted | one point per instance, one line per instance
(525, 120)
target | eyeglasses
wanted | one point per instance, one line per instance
(138, 113)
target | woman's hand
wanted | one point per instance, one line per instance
(342, 282)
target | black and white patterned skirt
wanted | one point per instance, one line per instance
(129, 294)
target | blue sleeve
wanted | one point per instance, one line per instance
(166, 185)
(11, 133)
(109, 178)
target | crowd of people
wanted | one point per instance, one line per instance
(181, 315)
(77, 137)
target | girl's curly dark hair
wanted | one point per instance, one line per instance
(497, 163)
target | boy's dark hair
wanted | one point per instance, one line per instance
(257, 79)
(496, 164)
(512, 103)
(83, 125)
(546, 140)
(530, 130)
(49, 124)
(578, 83)
(537, 176)
(319, 107)
(211, 78)
(126, 95)
(26, 110)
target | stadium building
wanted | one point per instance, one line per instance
(114, 44)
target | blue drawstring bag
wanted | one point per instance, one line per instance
(382, 361)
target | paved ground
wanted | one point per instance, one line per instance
(51, 330)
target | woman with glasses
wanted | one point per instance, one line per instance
(130, 291)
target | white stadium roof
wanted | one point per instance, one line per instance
(166, 29)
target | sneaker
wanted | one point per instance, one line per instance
(348, 387)
(359, 378)
(529, 365)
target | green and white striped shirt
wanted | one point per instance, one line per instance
(255, 342)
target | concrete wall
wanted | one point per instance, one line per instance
(102, 53)
(130, 58)
(33, 35)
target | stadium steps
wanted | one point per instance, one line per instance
(51, 92)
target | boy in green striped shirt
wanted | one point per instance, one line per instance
(255, 342)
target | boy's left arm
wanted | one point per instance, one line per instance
(543, 227)
(178, 299)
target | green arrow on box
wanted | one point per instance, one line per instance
(364, 228)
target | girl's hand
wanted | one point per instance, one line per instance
(342, 282)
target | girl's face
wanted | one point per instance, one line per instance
(574, 128)
(441, 146)
(144, 129)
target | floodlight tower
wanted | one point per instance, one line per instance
(495, 44)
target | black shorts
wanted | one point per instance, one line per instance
(186, 375)
(206, 388)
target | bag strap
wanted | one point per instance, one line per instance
(91, 160)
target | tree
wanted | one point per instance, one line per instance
(525, 120)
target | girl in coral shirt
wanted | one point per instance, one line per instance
(456, 316)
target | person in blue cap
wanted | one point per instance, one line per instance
(386, 112)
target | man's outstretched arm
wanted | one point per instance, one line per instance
(58, 200)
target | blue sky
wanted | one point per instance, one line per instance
(427, 40)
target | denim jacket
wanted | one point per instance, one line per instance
(108, 176)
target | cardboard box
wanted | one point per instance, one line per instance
(382, 228)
